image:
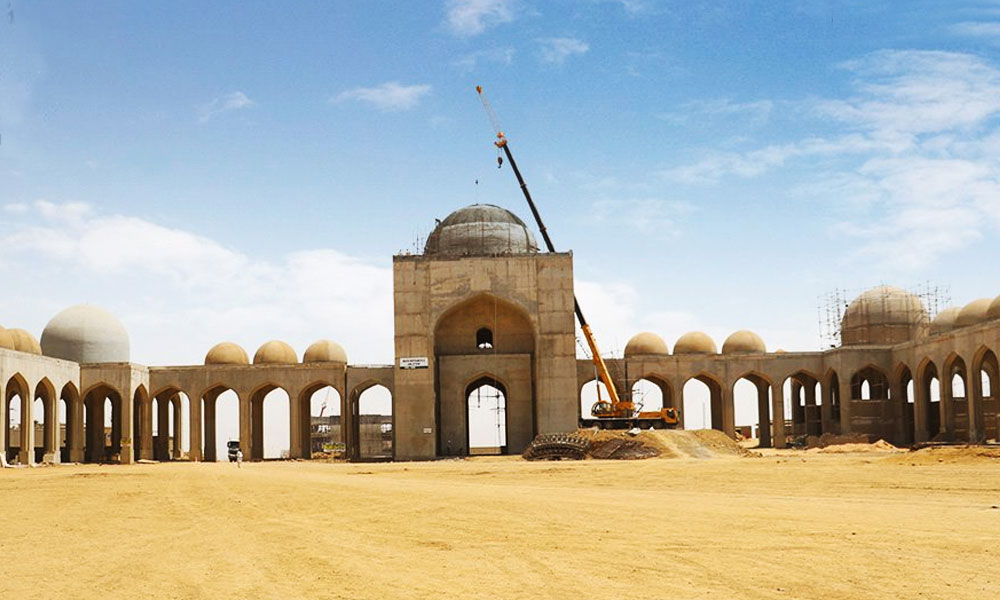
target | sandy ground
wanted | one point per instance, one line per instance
(784, 525)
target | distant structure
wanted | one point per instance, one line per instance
(481, 314)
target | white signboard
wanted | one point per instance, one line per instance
(414, 362)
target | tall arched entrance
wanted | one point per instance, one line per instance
(484, 338)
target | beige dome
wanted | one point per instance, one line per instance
(646, 343)
(86, 334)
(945, 320)
(480, 230)
(325, 351)
(24, 341)
(695, 342)
(6, 341)
(994, 311)
(882, 316)
(973, 313)
(227, 353)
(744, 342)
(275, 353)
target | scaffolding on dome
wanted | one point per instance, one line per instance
(832, 305)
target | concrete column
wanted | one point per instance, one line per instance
(846, 427)
(210, 451)
(146, 430)
(27, 454)
(5, 420)
(728, 411)
(95, 430)
(974, 398)
(778, 408)
(126, 422)
(257, 428)
(52, 454)
(178, 432)
(921, 400)
(895, 421)
(75, 430)
(161, 446)
(763, 417)
(826, 409)
(306, 424)
(947, 410)
(116, 428)
(246, 429)
(294, 425)
(798, 411)
(194, 414)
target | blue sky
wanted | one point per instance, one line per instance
(245, 171)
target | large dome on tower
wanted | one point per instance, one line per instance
(480, 230)
(86, 334)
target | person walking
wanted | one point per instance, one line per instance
(239, 458)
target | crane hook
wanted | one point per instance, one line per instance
(499, 161)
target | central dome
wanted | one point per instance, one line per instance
(480, 230)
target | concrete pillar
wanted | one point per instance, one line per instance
(921, 400)
(798, 411)
(117, 435)
(974, 399)
(194, 414)
(294, 425)
(763, 416)
(306, 426)
(161, 450)
(75, 431)
(728, 411)
(146, 430)
(947, 410)
(26, 456)
(210, 452)
(52, 454)
(778, 408)
(246, 429)
(257, 428)
(4, 421)
(177, 450)
(826, 409)
(95, 429)
(126, 422)
(846, 399)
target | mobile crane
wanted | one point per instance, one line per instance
(615, 412)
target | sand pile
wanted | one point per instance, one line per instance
(829, 439)
(669, 443)
(878, 447)
(950, 455)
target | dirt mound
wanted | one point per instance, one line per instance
(829, 439)
(880, 446)
(949, 455)
(622, 449)
(673, 443)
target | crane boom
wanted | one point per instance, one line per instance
(602, 368)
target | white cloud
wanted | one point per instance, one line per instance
(472, 17)
(500, 56)
(977, 29)
(645, 215)
(389, 96)
(750, 114)
(16, 208)
(179, 292)
(222, 104)
(556, 50)
(914, 156)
